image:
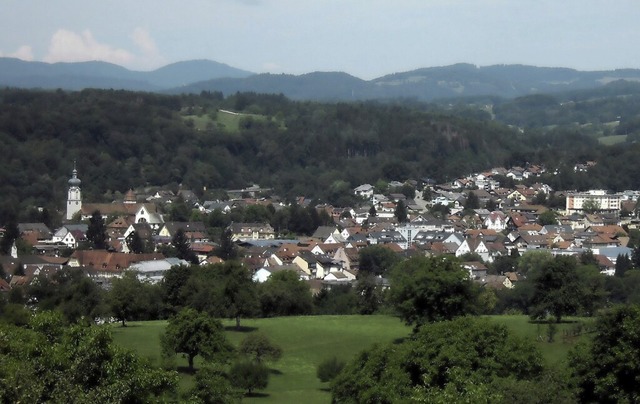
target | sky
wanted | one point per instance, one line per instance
(365, 38)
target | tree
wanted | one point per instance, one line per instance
(606, 367)
(11, 235)
(329, 368)
(372, 211)
(401, 212)
(430, 289)
(556, 289)
(238, 294)
(135, 243)
(212, 386)
(194, 333)
(227, 250)
(450, 361)
(124, 296)
(259, 348)
(182, 247)
(97, 231)
(590, 206)
(70, 291)
(377, 259)
(623, 264)
(249, 376)
(172, 286)
(95, 369)
(284, 294)
(547, 217)
(472, 201)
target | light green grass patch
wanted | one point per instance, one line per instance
(611, 140)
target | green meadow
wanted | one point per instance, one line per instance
(307, 340)
(226, 120)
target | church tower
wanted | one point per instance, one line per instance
(74, 197)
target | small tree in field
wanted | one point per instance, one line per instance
(249, 376)
(259, 348)
(329, 369)
(193, 333)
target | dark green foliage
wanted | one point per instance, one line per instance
(135, 243)
(257, 347)
(182, 247)
(459, 359)
(623, 264)
(10, 236)
(97, 231)
(194, 333)
(284, 294)
(606, 369)
(472, 201)
(130, 299)
(329, 368)
(547, 217)
(425, 290)
(401, 212)
(71, 292)
(227, 249)
(173, 284)
(339, 299)
(556, 289)
(377, 260)
(95, 370)
(212, 386)
(249, 376)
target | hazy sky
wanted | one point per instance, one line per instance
(366, 38)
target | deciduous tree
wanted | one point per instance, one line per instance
(194, 333)
(425, 289)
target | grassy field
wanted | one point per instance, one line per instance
(227, 120)
(611, 140)
(306, 341)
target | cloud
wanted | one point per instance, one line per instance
(150, 57)
(68, 46)
(24, 52)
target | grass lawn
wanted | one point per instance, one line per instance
(555, 352)
(307, 340)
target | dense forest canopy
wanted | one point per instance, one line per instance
(122, 140)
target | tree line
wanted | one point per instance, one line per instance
(123, 140)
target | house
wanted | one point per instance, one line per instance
(496, 220)
(496, 282)
(328, 235)
(106, 264)
(193, 231)
(476, 269)
(474, 246)
(153, 271)
(251, 231)
(364, 191)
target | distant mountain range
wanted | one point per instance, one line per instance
(459, 80)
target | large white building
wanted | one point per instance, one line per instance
(601, 200)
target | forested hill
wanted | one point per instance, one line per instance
(124, 140)
(426, 84)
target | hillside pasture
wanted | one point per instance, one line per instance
(308, 340)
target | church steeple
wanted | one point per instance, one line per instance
(74, 196)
